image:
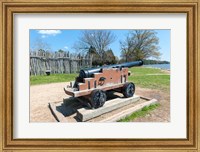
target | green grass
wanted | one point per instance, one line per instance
(53, 78)
(141, 113)
(159, 82)
(148, 78)
(143, 71)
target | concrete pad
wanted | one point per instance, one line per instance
(85, 114)
(66, 108)
(129, 111)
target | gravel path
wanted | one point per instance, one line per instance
(41, 95)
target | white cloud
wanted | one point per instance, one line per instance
(66, 47)
(43, 36)
(49, 32)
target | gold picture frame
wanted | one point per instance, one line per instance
(190, 7)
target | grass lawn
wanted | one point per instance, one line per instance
(53, 78)
(150, 78)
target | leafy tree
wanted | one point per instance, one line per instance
(92, 50)
(117, 59)
(61, 51)
(110, 57)
(140, 44)
(95, 57)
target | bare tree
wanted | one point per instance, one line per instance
(99, 39)
(39, 44)
(126, 49)
(140, 44)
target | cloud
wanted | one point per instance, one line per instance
(43, 36)
(66, 47)
(49, 32)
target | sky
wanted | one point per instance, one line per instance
(66, 39)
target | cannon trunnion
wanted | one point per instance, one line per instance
(94, 82)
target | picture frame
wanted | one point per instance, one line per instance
(10, 7)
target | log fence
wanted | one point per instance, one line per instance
(57, 63)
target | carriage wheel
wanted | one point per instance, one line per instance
(128, 90)
(98, 98)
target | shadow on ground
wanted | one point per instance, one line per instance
(70, 105)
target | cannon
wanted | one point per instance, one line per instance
(93, 83)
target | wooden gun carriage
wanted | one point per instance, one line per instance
(94, 82)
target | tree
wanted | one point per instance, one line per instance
(39, 44)
(140, 44)
(126, 49)
(110, 57)
(92, 50)
(61, 51)
(94, 56)
(98, 39)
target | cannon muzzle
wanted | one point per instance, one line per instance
(86, 73)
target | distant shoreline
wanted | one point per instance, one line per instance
(158, 66)
(167, 71)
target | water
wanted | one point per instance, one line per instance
(160, 66)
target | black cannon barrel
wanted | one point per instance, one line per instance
(86, 73)
(128, 64)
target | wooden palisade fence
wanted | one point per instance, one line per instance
(57, 62)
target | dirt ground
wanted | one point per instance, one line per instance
(41, 95)
(160, 114)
